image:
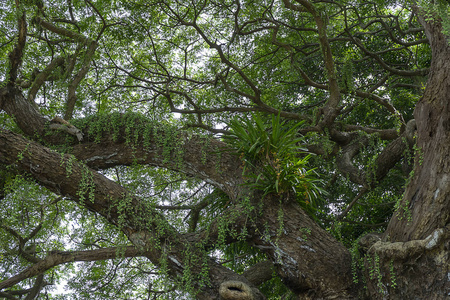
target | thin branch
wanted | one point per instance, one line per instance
(384, 65)
(101, 17)
(330, 109)
(359, 93)
(71, 97)
(361, 193)
(43, 76)
(60, 257)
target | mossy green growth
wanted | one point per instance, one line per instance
(86, 187)
(136, 130)
(132, 127)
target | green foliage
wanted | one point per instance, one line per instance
(256, 140)
(150, 62)
(438, 9)
(86, 186)
(272, 158)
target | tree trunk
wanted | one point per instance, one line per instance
(413, 260)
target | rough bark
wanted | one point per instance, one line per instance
(428, 194)
(144, 226)
(308, 259)
(299, 267)
(418, 249)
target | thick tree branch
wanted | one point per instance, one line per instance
(352, 143)
(47, 168)
(413, 248)
(260, 272)
(145, 227)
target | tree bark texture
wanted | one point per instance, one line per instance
(424, 213)
(297, 245)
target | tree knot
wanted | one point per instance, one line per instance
(235, 290)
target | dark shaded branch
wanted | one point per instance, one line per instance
(27, 116)
(8, 296)
(385, 161)
(361, 193)
(37, 287)
(345, 160)
(260, 272)
(15, 57)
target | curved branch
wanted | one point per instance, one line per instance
(42, 76)
(71, 96)
(384, 162)
(59, 257)
(413, 248)
(420, 72)
(345, 161)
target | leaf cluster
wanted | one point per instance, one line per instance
(273, 160)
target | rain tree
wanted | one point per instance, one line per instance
(226, 149)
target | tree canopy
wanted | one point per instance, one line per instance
(217, 149)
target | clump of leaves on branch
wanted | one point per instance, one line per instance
(273, 160)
